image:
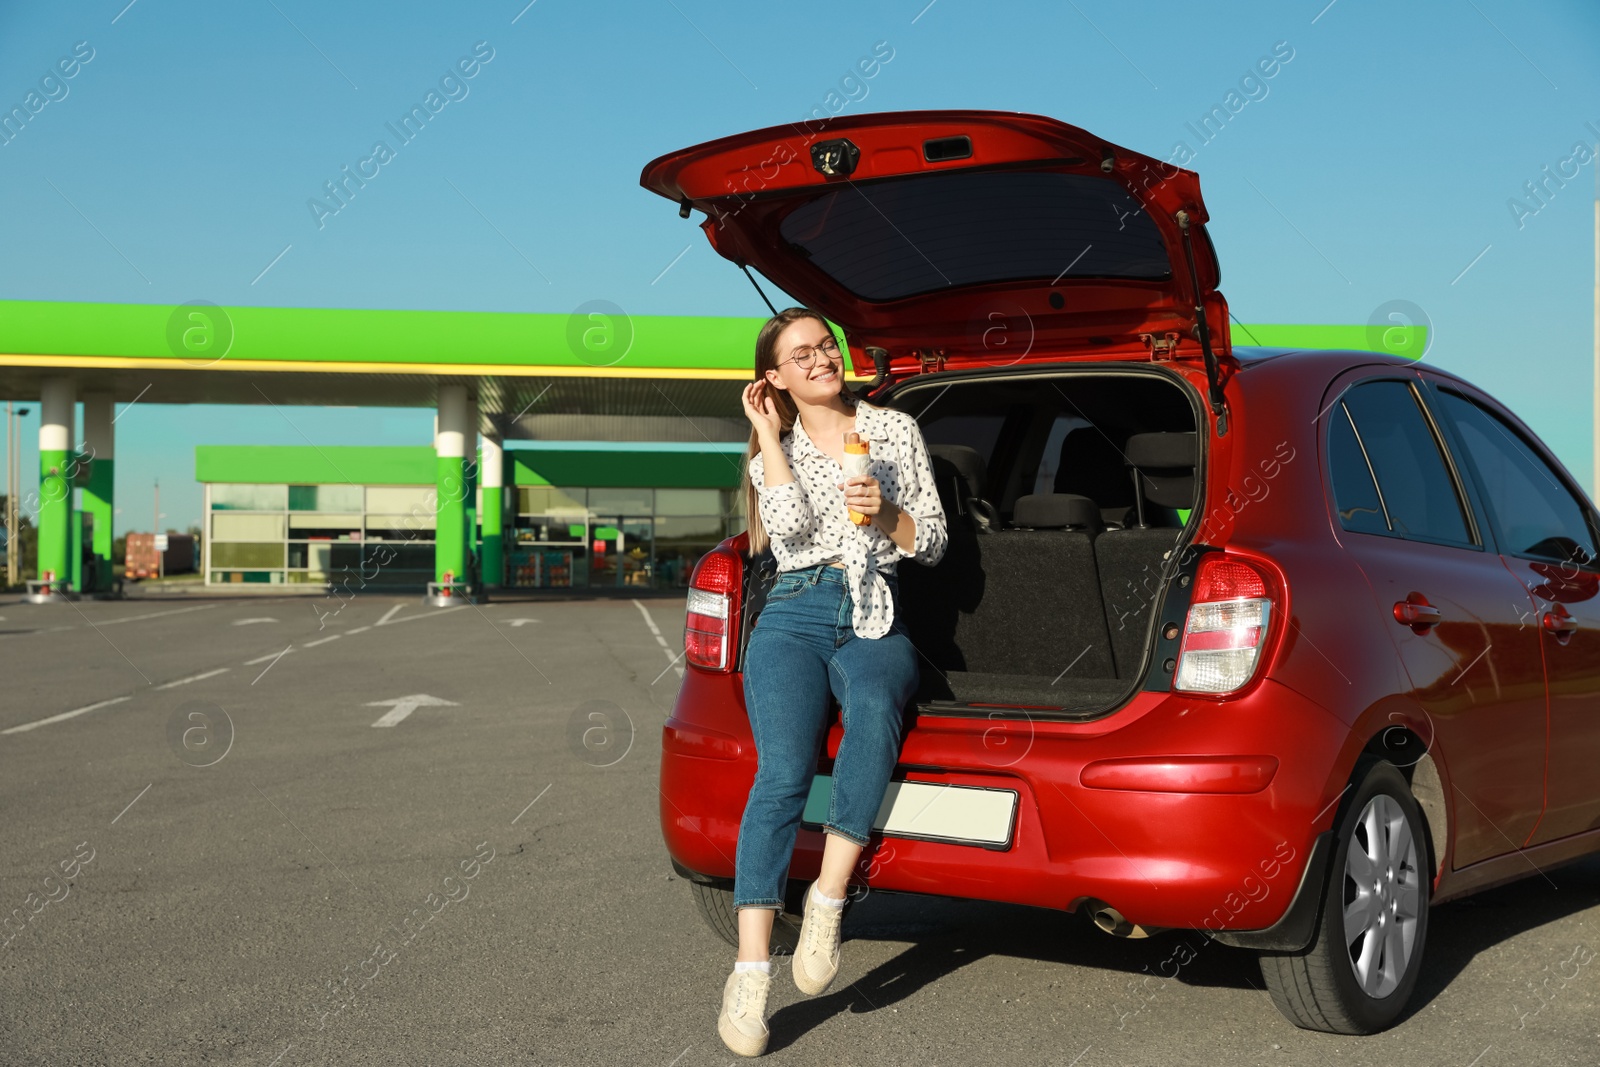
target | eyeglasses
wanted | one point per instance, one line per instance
(805, 358)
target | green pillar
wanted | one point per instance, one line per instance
(469, 448)
(492, 475)
(57, 404)
(450, 522)
(469, 514)
(76, 565)
(98, 490)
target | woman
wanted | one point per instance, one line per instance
(830, 625)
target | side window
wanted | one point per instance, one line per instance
(1355, 494)
(1416, 495)
(1532, 511)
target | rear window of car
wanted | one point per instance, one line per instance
(1415, 491)
(898, 237)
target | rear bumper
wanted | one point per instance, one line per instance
(1216, 849)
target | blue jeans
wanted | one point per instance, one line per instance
(802, 649)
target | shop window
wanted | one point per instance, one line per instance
(690, 528)
(247, 555)
(675, 563)
(325, 497)
(620, 552)
(247, 528)
(325, 527)
(689, 502)
(401, 527)
(622, 501)
(251, 577)
(551, 529)
(550, 499)
(395, 559)
(226, 497)
(401, 499)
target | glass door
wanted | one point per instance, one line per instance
(622, 551)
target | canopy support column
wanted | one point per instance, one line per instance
(450, 525)
(57, 409)
(99, 446)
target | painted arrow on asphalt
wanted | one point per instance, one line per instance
(401, 707)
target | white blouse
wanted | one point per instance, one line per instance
(808, 524)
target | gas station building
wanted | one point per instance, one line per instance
(579, 514)
(587, 450)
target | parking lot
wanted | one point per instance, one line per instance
(295, 830)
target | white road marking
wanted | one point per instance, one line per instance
(433, 614)
(248, 622)
(359, 630)
(262, 659)
(518, 623)
(391, 614)
(64, 715)
(672, 660)
(194, 678)
(155, 615)
(322, 641)
(401, 707)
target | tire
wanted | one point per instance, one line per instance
(1360, 971)
(714, 901)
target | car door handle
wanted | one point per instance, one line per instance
(1416, 612)
(1562, 625)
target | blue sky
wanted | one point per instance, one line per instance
(1375, 165)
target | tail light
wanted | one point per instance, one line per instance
(1226, 628)
(711, 628)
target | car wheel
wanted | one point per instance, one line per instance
(714, 901)
(1359, 972)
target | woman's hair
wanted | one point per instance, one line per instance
(767, 359)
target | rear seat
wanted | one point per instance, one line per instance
(1130, 560)
(1054, 611)
(1006, 613)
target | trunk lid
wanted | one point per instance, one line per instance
(965, 238)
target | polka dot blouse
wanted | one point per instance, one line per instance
(807, 522)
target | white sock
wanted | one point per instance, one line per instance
(821, 898)
(753, 965)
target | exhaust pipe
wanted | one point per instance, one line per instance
(1116, 924)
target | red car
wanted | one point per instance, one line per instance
(1283, 646)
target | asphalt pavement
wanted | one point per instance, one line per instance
(288, 831)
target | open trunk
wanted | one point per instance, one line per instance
(1068, 490)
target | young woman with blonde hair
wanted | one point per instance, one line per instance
(830, 626)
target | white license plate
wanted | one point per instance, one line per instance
(961, 814)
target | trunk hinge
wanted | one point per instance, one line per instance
(1202, 328)
(1161, 346)
(932, 359)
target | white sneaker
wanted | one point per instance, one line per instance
(743, 1022)
(816, 957)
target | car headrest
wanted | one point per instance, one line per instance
(1091, 466)
(1169, 451)
(1165, 462)
(967, 461)
(1053, 511)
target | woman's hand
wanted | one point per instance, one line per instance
(761, 410)
(862, 493)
